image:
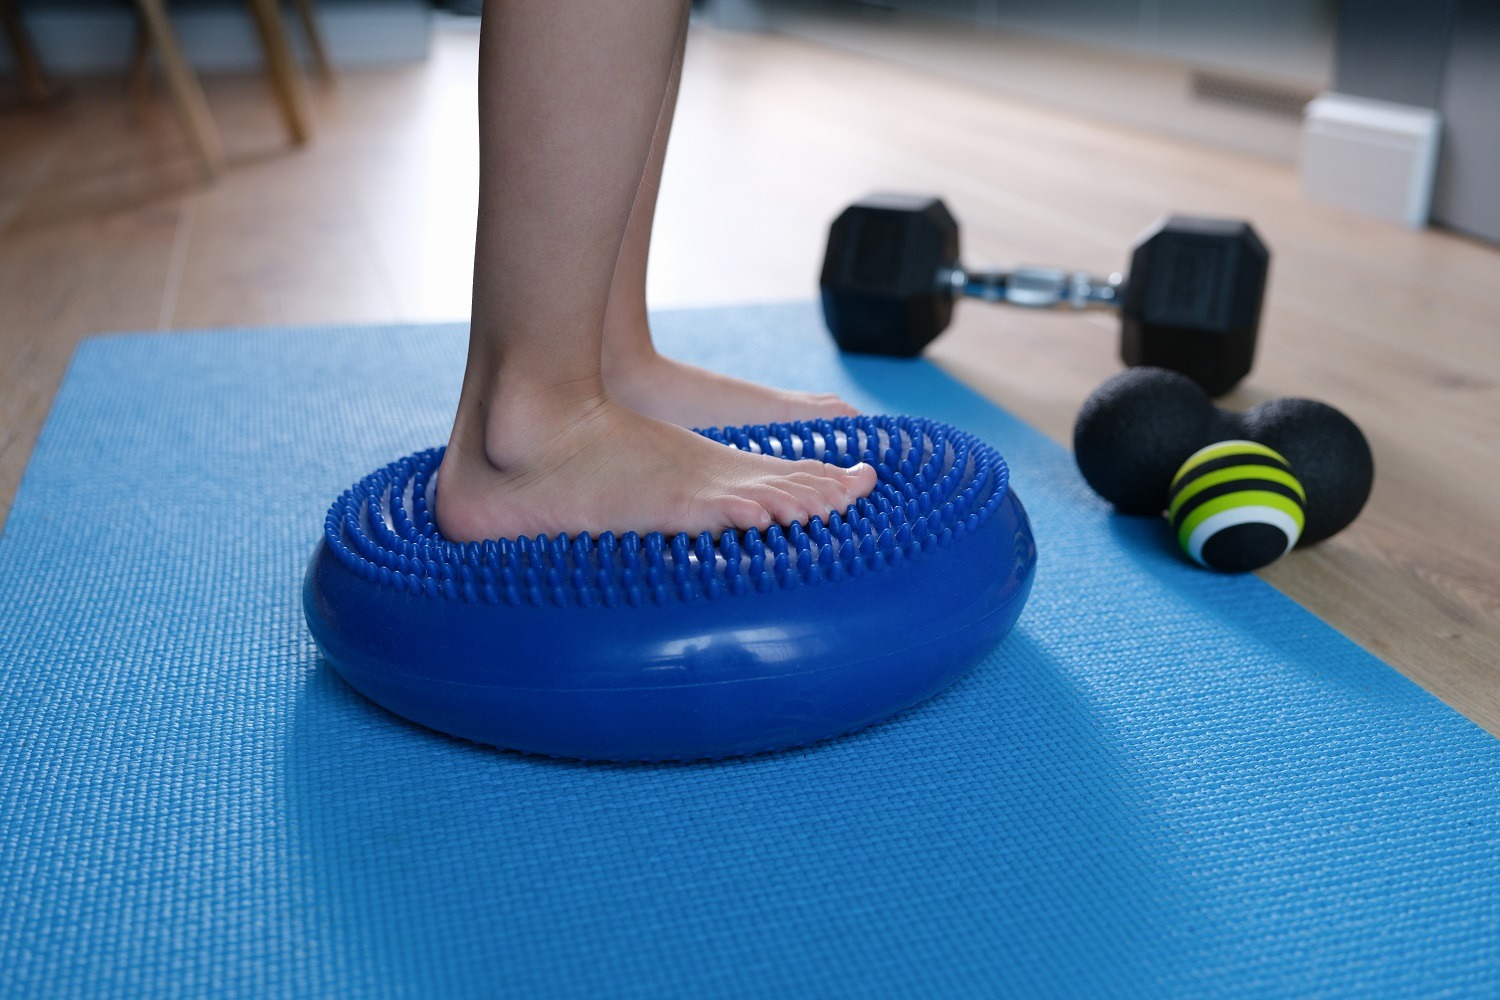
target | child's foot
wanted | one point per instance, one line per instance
(601, 466)
(690, 396)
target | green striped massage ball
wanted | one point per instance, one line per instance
(1235, 506)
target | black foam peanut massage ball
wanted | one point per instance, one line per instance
(1139, 429)
(1330, 454)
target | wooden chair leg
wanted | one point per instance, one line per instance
(138, 80)
(286, 79)
(184, 85)
(34, 84)
(314, 36)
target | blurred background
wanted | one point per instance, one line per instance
(172, 165)
(191, 164)
(1386, 107)
(181, 164)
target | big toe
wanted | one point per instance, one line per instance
(829, 405)
(860, 478)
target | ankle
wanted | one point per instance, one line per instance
(627, 354)
(508, 422)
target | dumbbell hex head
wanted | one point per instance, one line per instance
(1193, 299)
(879, 283)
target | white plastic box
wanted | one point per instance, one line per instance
(1373, 156)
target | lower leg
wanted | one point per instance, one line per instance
(633, 370)
(627, 335)
(570, 93)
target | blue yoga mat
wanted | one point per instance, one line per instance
(1164, 782)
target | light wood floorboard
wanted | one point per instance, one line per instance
(105, 225)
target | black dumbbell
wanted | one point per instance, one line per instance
(1191, 304)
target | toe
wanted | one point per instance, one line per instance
(783, 505)
(810, 499)
(846, 485)
(833, 406)
(861, 478)
(833, 489)
(744, 513)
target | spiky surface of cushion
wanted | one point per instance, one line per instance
(615, 647)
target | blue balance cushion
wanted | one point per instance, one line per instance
(631, 648)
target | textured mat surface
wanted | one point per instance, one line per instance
(1165, 782)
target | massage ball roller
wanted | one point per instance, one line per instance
(1137, 429)
(1140, 443)
(1330, 454)
(1235, 506)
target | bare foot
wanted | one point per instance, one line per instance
(696, 397)
(602, 466)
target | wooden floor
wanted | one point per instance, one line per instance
(104, 226)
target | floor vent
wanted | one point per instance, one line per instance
(1252, 95)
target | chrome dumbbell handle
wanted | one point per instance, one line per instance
(1036, 287)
